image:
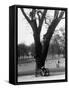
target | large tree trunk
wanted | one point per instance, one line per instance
(40, 56)
(38, 50)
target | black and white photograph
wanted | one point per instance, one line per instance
(41, 44)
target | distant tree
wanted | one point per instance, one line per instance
(22, 50)
(32, 49)
(58, 42)
(54, 47)
(62, 41)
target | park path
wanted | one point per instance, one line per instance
(33, 78)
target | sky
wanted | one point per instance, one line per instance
(25, 33)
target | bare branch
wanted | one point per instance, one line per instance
(47, 23)
(42, 18)
(61, 15)
(63, 18)
(57, 18)
(32, 14)
(38, 13)
(48, 20)
(22, 10)
(56, 14)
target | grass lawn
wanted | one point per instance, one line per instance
(29, 67)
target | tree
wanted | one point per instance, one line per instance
(22, 50)
(32, 49)
(62, 40)
(41, 52)
(57, 44)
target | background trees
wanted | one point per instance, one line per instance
(22, 50)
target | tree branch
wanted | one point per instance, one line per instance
(63, 18)
(61, 14)
(42, 18)
(56, 14)
(53, 25)
(46, 22)
(49, 20)
(22, 10)
(38, 13)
